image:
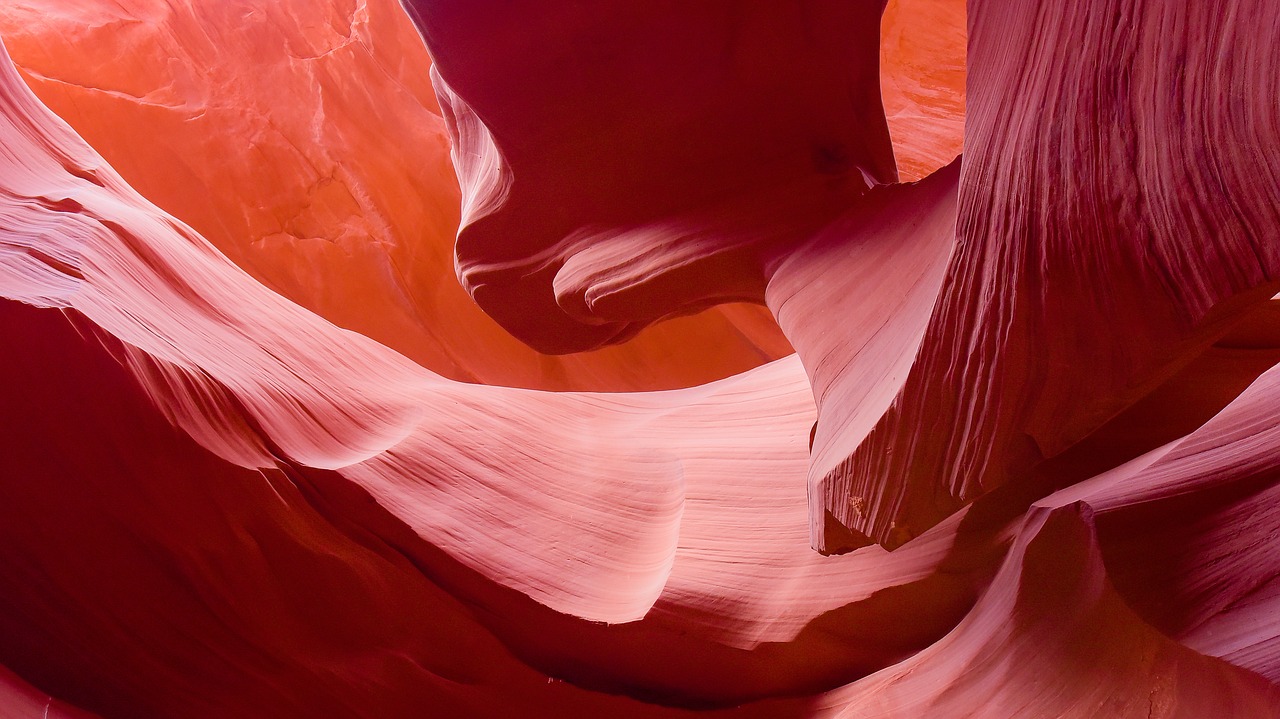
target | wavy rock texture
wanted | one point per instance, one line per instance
(890, 253)
(1052, 616)
(304, 140)
(586, 217)
(284, 454)
(1117, 214)
(217, 502)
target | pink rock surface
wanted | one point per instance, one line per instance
(879, 269)
(1117, 214)
(215, 502)
(271, 436)
(618, 168)
(1052, 619)
(303, 139)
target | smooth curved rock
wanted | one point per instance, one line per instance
(878, 269)
(642, 141)
(303, 139)
(276, 440)
(1052, 618)
(213, 502)
(1187, 529)
(1095, 148)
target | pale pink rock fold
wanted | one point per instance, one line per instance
(878, 268)
(214, 502)
(1051, 637)
(284, 454)
(667, 152)
(1117, 213)
(1187, 530)
(303, 139)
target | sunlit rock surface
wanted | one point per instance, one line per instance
(1117, 215)
(304, 140)
(221, 500)
(922, 82)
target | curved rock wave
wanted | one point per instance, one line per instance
(216, 502)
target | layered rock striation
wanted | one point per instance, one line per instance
(1030, 424)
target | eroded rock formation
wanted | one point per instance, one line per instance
(1117, 215)
(1036, 424)
(303, 139)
